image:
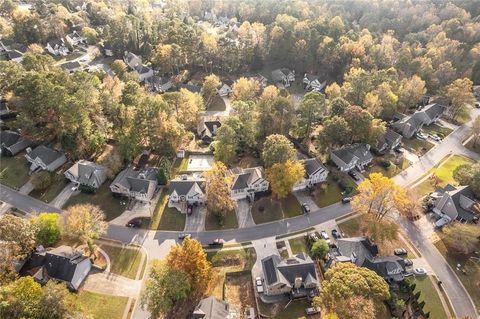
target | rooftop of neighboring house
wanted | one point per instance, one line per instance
(276, 270)
(313, 165)
(243, 177)
(190, 87)
(388, 138)
(433, 110)
(14, 141)
(14, 54)
(71, 65)
(56, 42)
(279, 74)
(87, 172)
(136, 180)
(462, 197)
(46, 154)
(182, 185)
(311, 77)
(211, 308)
(158, 80)
(349, 152)
(142, 69)
(209, 127)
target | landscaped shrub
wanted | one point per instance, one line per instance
(385, 164)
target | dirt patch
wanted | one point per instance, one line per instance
(239, 292)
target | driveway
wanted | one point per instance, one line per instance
(64, 195)
(304, 196)
(244, 214)
(195, 222)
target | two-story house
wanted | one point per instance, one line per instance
(207, 129)
(187, 190)
(246, 182)
(138, 184)
(388, 141)
(75, 39)
(44, 158)
(312, 82)
(409, 125)
(57, 47)
(12, 143)
(454, 203)
(283, 76)
(159, 84)
(315, 172)
(213, 308)
(356, 156)
(88, 175)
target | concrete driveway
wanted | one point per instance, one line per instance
(195, 222)
(244, 214)
(304, 196)
(64, 195)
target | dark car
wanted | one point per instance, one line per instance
(217, 242)
(408, 262)
(398, 150)
(346, 200)
(354, 175)
(400, 251)
(134, 223)
(305, 208)
(336, 234)
(184, 235)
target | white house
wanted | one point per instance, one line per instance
(225, 90)
(247, 182)
(137, 184)
(312, 82)
(44, 158)
(57, 47)
(352, 156)
(87, 174)
(75, 39)
(315, 172)
(187, 190)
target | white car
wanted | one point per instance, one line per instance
(421, 136)
(259, 284)
(435, 137)
(420, 271)
(325, 236)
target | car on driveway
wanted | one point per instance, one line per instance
(408, 262)
(313, 237)
(305, 208)
(217, 242)
(325, 236)
(312, 310)
(399, 150)
(259, 284)
(346, 200)
(400, 251)
(336, 234)
(189, 209)
(134, 223)
(435, 137)
(184, 236)
(354, 175)
(420, 271)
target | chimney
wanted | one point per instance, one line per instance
(29, 150)
(298, 282)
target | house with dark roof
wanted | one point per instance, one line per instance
(213, 308)
(409, 125)
(388, 141)
(45, 158)
(144, 72)
(352, 156)
(5, 112)
(283, 76)
(312, 82)
(225, 90)
(159, 84)
(132, 60)
(190, 87)
(363, 253)
(71, 66)
(296, 276)
(75, 39)
(63, 263)
(12, 143)
(186, 190)
(454, 203)
(246, 182)
(57, 47)
(136, 184)
(315, 172)
(207, 129)
(15, 56)
(87, 175)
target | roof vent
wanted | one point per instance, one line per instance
(184, 177)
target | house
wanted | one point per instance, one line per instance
(190, 87)
(87, 175)
(45, 158)
(57, 47)
(187, 190)
(312, 82)
(15, 56)
(107, 49)
(132, 60)
(159, 84)
(363, 253)
(296, 276)
(388, 141)
(5, 46)
(225, 90)
(454, 203)
(5, 112)
(284, 76)
(315, 172)
(71, 66)
(352, 156)
(409, 125)
(207, 129)
(63, 263)
(213, 308)
(12, 143)
(75, 39)
(144, 72)
(137, 184)
(246, 182)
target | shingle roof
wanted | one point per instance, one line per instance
(211, 308)
(88, 173)
(182, 187)
(348, 153)
(137, 180)
(190, 87)
(433, 110)
(245, 177)
(312, 165)
(46, 154)
(72, 65)
(286, 271)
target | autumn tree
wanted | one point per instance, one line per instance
(311, 109)
(48, 228)
(335, 132)
(468, 174)
(319, 249)
(379, 230)
(461, 98)
(410, 92)
(85, 223)
(18, 231)
(219, 201)
(245, 89)
(283, 176)
(359, 121)
(190, 258)
(210, 87)
(476, 130)
(20, 299)
(379, 196)
(277, 149)
(9, 252)
(119, 68)
(338, 106)
(225, 144)
(357, 307)
(462, 238)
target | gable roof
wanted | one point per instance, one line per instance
(71, 65)
(312, 166)
(433, 110)
(88, 173)
(276, 270)
(348, 153)
(211, 308)
(190, 87)
(14, 54)
(138, 181)
(13, 141)
(310, 77)
(461, 197)
(183, 186)
(244, 177)
(388, 139)
(46, 154)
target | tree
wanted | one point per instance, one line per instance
(8, 256)
(20, 299)
(319, 249)
(90, 34)
(245, 89)
(42, 180)
(225, 144)
(410, 92)
(357, 307)
(165, 286)
(462, 238)
(335, 132)
(219, 201)
(119, 68)
(338, 106)
(359, 122)
(284, 175)
(56, 302)
(190, 258)
(48, 228)
(476, 130)
(277, 149)
(165, 167)
(468, 174)
(19, 231)
(86, 223)
(379, 230)
(210, 86)
(460, 95)
(311, 109)
(379, 196)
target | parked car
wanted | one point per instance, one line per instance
(184, 236)
(313, 237)
(354, 175)
(400, 251)
(421, 136)
(312, 310)
(324, 236)
(408, 262)
(305, 208)
(346, 200)
(477, 105)
(420, 271)
(435, 137)
(134, 223)
(336, 234)
(217, 242)
(259, 284)
(399, 150)
(189, 209)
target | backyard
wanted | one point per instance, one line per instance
(294, 310)
(443, 173)
(329, 193)
(125, 261)
(167, 218)
(417, 146)
(103, 197)
(14, 170)
(239, 291)
(228, 222)
(267, 209)
(101, 306)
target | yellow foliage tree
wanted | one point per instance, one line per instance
(282, 177)
(219, 201)
(245, 89)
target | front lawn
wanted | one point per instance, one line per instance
(217, 104)
(14, 170)
(101, 306)
(267, 209)
(441, 131)
(124, 261)
(429, 295)
(243, 257)
(228, 222)
(49, 194)
(103, 197)
(443, 173)
(167, 218)
(298, 245)
(326, 194)
(416, 145)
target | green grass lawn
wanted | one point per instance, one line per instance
(298, 245)
(284, 254)
(49, 194)
(442, 131)
(101, 306)
(444, 173)
(167, 218)
(246, 256)
(103, 197)
(180, 165)
(229, 221)
(217, 104)
(14, 170)
(350, 227)
(267, 209)
(295, 310)
(329, 193)
(429, 294)
(124, 261)
(417, 146)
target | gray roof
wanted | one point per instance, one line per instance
(211, 308)
(463, 198)
(245, 177)
(313, 165)
(142, 69)
(182, 187)
(311, 77)
(88, 173)
(388, 139)
(13, 54)
(433, 110)
(190, 87)
(71, 66)
(137, 180)
(277, 270)
(13, 141)
(348, 153)
(46, 154)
